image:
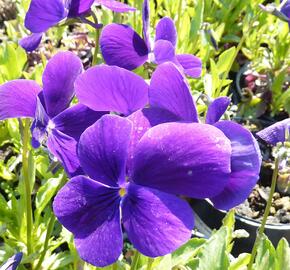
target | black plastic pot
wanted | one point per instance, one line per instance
(212, 217)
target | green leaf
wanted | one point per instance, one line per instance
(282, 255)
(197, 19)
(45, 194)
(241, 262)
(225, 60)
(265, 258)
(186, 252)
(213, 253)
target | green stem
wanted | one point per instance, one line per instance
(266, 214)
(179, 16)
(25, 170)
(45, 246)
(97, 40)
(134, 265)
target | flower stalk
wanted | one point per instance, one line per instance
(97, 39)
(266, 213)
(25, 171)
(47, 237)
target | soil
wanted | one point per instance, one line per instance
(255, 205)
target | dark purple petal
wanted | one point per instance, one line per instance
(245, 166)
(164, 52)
(42, 14)
(157, 223)
(191, 64)
(146, 23)
(115, 5)
(286, 10)
(142, 121)
(78, 7)
(30, 43)
(91, 212)
(106, 88)
(275, 133)
(216, 109)
(184, 159)
(75, 120)
(58, 81)
(166, 30)
(64, 148)
(103, 149)
(170, 91)
(18, 99)
(38, 128)
(13, 262)
(122, 46)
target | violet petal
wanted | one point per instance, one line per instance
(43, 14)
(122, 46)
(31, 42)
(164, 52)
(184, 159)
(142, 121)
(166, 30)
(216, 109)
(191, 64)
(103, 148)
(58, 81)
(18, 99)
(38, 128)
(170, 91)
(106, 88)
(275, 133)
(91, 212)
(115, 6)
(78, 7)
(146, 23)
(74, 120)
(157, 223)
(64, 148)
(245, 166)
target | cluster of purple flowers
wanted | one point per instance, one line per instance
(131, 149)
(43, 14)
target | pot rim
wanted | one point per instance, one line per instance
(253, 222)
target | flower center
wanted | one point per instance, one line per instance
(50, 126)
(122, 192)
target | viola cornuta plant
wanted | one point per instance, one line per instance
(135, 143)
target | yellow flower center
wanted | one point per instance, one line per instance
(122, 192)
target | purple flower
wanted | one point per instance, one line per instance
(43, 14)
(123, 47)
(275, 133)
(175, 157)
(12, 262)
(111, 88)
(285, 9)
(170, 100)
(55, 123)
